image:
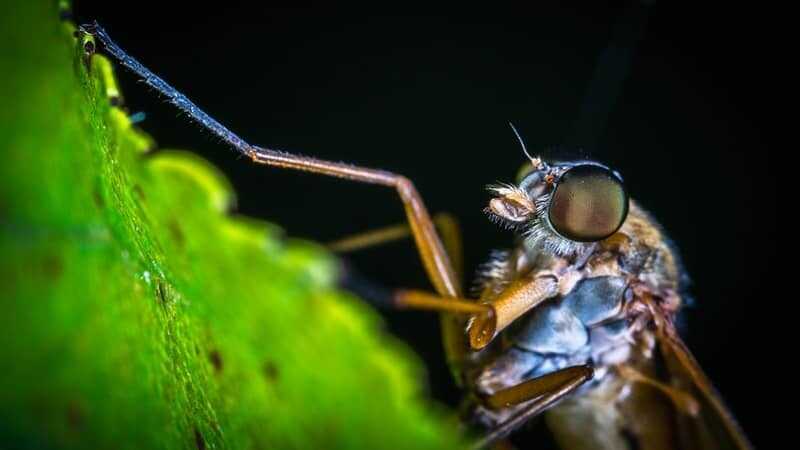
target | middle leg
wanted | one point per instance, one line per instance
(445, 223)
(545, 391)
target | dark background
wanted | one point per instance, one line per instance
(674, 108)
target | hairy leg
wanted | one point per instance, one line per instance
(434, 258)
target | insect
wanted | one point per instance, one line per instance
(576, 321)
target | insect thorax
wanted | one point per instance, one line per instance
(596, 318)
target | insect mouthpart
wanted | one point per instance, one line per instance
(512, 207)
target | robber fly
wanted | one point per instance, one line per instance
(577, 320)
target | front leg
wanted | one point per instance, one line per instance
(518, 298)
(434, 258)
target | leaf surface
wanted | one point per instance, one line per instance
(139, 312)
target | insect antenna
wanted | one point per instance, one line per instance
(537, 163)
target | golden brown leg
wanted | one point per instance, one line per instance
(453, 242)
(434, 258)
(546, 390)
(515, 300)
(530, 389)
(371, 238)
(445, 223)
(414, 299)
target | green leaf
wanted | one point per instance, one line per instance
(138, 312)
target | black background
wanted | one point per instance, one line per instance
(429, 96)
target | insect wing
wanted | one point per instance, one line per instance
(714, 427)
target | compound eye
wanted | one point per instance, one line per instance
(589, 203)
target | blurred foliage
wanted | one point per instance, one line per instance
(137, 312)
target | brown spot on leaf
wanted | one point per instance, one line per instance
(98, 198)
(75, 416)
(271, 371)
(137, 189)
(199, 442)
(216, 360)
(161, 292)
(52, 267)
(176, 232)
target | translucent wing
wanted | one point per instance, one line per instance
(714, 427)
